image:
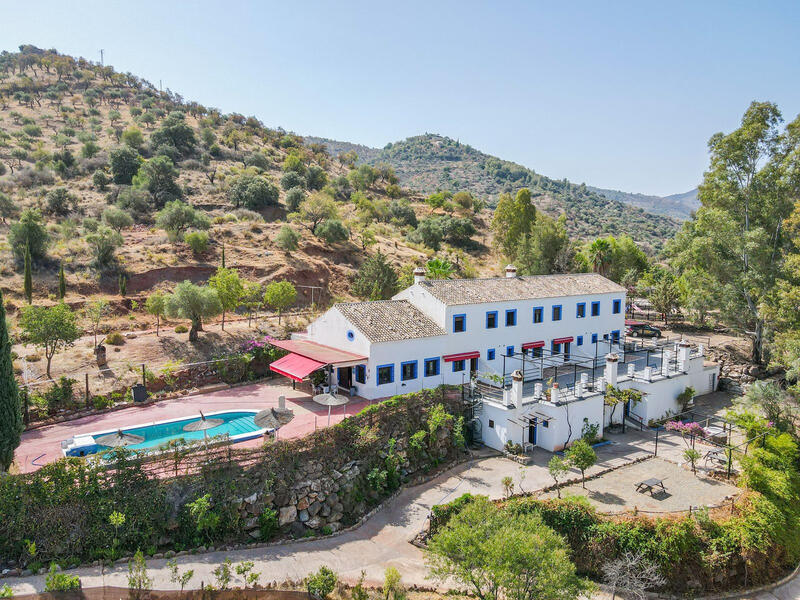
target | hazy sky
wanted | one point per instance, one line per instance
(621, 95)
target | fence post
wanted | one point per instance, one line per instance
(86, 397)
(655, 452)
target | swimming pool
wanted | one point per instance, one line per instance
(236, 425)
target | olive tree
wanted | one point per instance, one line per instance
(229, 288)
(51, 328)
(195, 303)
(280, 295)
(177, 217)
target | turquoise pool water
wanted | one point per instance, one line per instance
(233, 424)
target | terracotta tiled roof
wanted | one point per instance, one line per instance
(502, 289)
(389, 320)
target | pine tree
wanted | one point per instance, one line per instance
(123, 284)
(62, 283)
(10, 411)
(28, 285)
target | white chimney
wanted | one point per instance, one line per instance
(511, 271)
(419, 275)
(513, 396)
(684, 349)
(611, 369)
(555, 393)
(631, 370)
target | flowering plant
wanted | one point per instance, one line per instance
(686, 428)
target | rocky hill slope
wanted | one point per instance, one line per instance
(678, 206)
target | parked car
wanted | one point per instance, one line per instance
(640, 329)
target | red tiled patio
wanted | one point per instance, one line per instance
(43, 445)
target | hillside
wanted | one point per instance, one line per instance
(430, 162)
(678, 206)
(89, 159)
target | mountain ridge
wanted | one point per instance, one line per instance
(430, 162)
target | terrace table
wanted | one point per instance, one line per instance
(648, 485)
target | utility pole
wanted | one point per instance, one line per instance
(101, 56)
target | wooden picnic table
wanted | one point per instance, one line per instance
(648, 485)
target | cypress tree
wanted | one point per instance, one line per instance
(28, 285)
(10, 411)
(62, 283)
(223, 255)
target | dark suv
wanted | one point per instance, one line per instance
(643, 330)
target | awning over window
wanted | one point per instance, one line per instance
(295, 366)
(563, 340)
(461, 356)
(529, 345)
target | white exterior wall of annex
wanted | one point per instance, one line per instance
(505, 422)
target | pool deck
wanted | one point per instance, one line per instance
(43, 445)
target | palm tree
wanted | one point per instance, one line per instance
(439, 268)
(600, 255)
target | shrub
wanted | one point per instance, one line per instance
(56, 581)
(321, 583)
(115, 338)
(60, 202)
(294, 197)
(181, 329)
(287, 239)
(332, 231)
(101, 402)
(292, 179)
(197, 241)
(267, 523)
(125, 163)
(29, 232)
(252, 192)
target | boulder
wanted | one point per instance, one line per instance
(287, 514)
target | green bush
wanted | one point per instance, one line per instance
(56, 581)
(115, 338)
(100, 402)
(197, 241)
(267, 523)
(181, 329)
(321, 583)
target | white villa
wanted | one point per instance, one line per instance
(534, 345)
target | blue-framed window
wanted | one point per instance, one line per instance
(555, 348)
(594, 338)
(408, 370)
(511, 317)
(361, 373)
(579, 341)
(458, 366)
(459, 323)
(580, 311)
(557, 312)
(491, 319)
(595, 309)
(545, 424)
(490, 354)
(537, 352)
(616, 306)
(615, 336)
(385, 374)
(538, 314)
(509, 350)
(431, 367)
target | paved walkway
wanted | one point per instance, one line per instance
(43, 445)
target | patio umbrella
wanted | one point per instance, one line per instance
(272, 418)
(119, 439)
(202, 424)
(330, 400)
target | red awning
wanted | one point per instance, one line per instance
(529, 345)
(461, 356)
(295, 366)
(563, 340)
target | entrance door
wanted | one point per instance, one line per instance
(473, 366)
(532, 434)
(566, 351)
(345, 377)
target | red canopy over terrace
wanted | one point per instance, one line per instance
(563, 340)
(306, 356)
(295, 366)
